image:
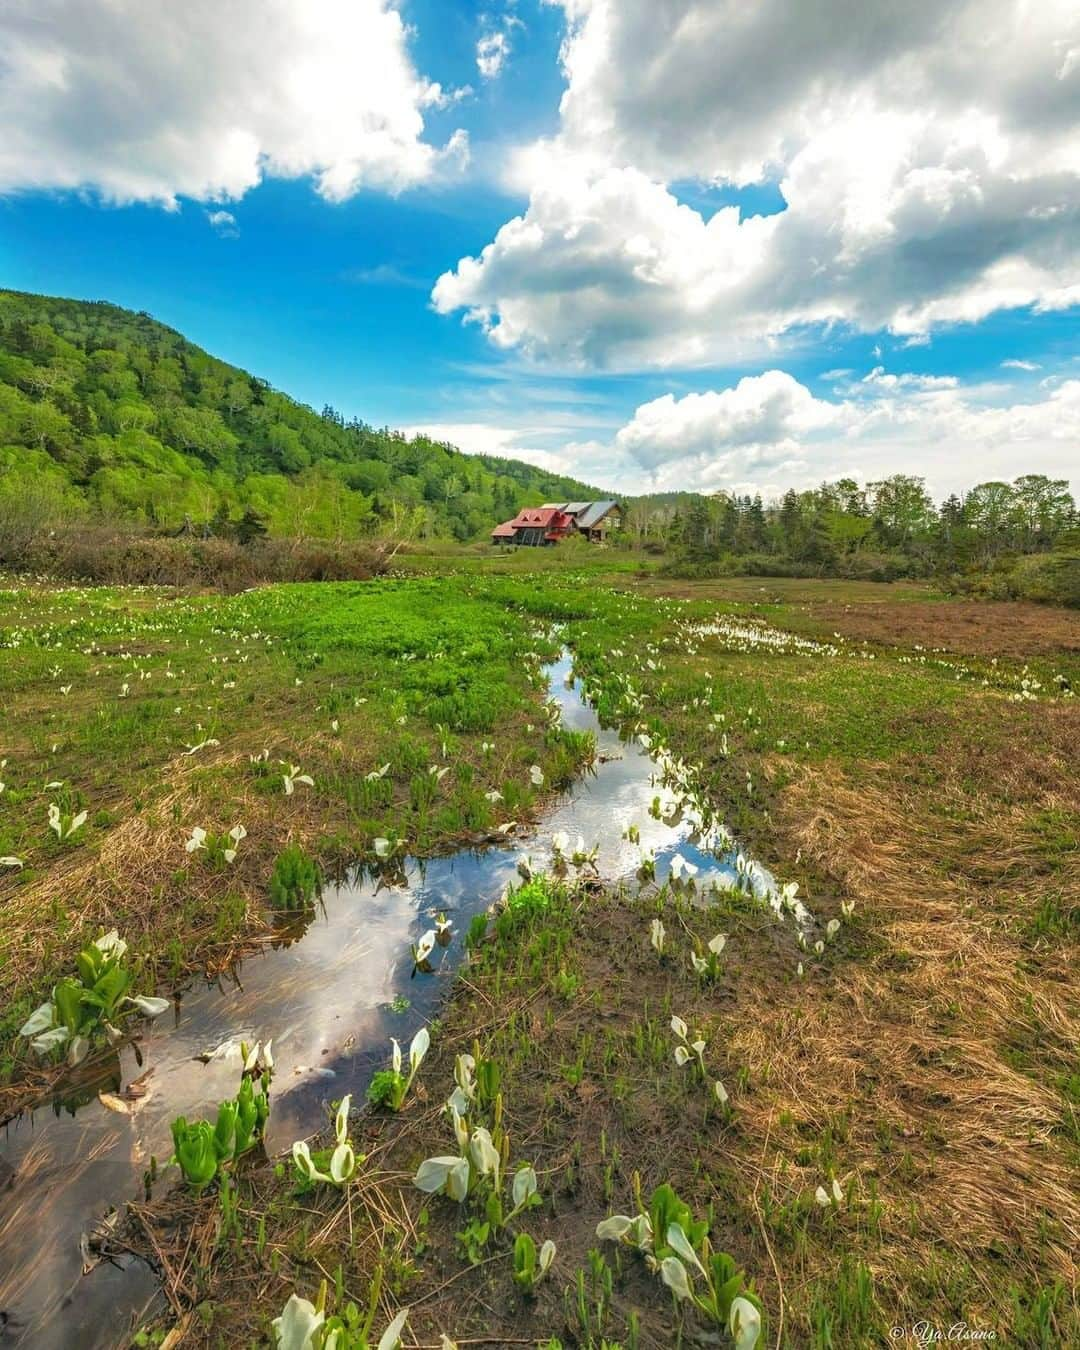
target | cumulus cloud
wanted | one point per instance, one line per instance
(761, 420)
(149, 102)
(927, 155)
(769, 433)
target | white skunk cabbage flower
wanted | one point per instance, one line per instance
(547, 1255)
(536, 776)
(341, 1120)
(423, 949)
(382, 847)
(637, 1231)
(259, 1056)
(461, 1130)
(298, 1324)
(847, 908)
(678, 1026)
(657, 934)
(673, 1273)
(682, 1056)
(197, 840)
(444, 1174)
(560, 841)
(744, 1323)
(78, 1049)
(41, 1019)
(444, 930)
(57, 825)
(494, 795)
(524, 1186)
(832, 928)
(718, 943)
(235, 834)
(342, 1163)
(826, 1198)
(292, 776)
(149, 1007)
(699, 964)
(484, 1154)
(391, 1337)
(418, 1048)
(111, 944)
(11, 862)
(376, 774)
(720, 1092)
(678, 1241)
(305, 1165)
(395, 1055)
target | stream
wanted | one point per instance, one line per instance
(327, 1000)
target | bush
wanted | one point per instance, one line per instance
(112, 556)
(1047, 578)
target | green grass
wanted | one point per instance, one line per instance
(948, 788)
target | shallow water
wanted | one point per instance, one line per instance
(326, 1001)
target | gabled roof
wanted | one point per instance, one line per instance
(530, 516)
(594, 513)
(503, 531)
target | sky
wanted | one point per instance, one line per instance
(739, 245)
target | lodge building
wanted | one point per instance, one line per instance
(537, 526)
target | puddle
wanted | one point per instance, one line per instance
(328, 1002)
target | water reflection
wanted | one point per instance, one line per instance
(327, 1001)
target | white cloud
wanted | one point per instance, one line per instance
(149, 102)
(1013, 363)
(224, 224)
(491, 53)
(760, 420)
(923, 185)
(769, 433)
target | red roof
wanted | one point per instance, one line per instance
(529, 517)
(503, 531)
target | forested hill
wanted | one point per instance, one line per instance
(111, 412)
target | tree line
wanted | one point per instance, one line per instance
(880, 530)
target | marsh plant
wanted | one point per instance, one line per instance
(303, 1325)
(675, 1246)
(389, 1087)
(64, 824)
(217, 850)
(91, 1007)
(530, 1265)
(341, 1161)
(477, 1172)
(292, 776)
(295, 881)
(706, 965)
(687, 1052)
(203, 1149)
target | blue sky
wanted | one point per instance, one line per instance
(665, 315)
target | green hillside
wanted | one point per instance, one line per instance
(108, 412)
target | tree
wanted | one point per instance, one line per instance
(1044, 507)
(902, 508)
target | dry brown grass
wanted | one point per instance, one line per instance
(916, 1042)
(963, 627)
